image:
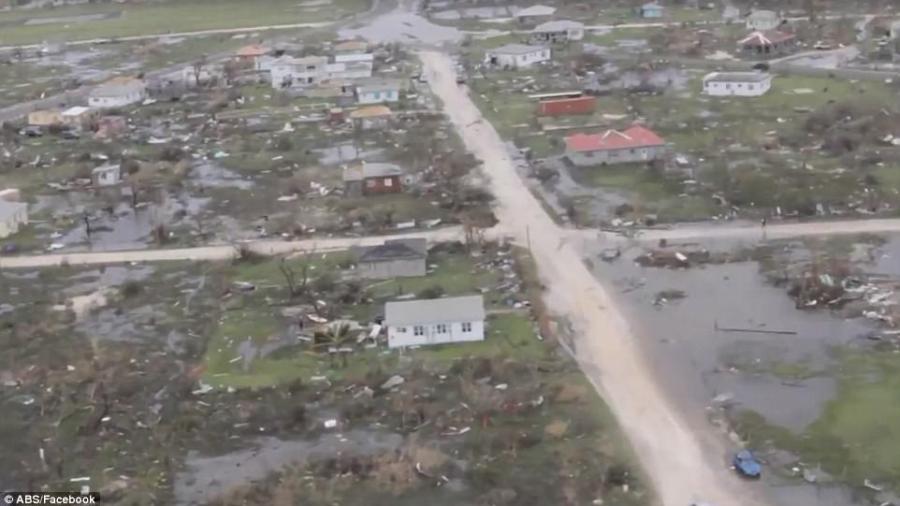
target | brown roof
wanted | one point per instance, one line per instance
(252, 50)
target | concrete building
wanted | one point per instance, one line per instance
(13, 215)
(371, 116)
(376, 91)
(107, 175)
(651, 10)
(288, 71)
(763, 20)
(516, 56)
(45, 118)
(251, 56)
(435, 321)
(738, 84)
(118, 92)
(635, 144)
(78, 116)
(398, 258)
(367, 178)
(767, 44)
(553, 32)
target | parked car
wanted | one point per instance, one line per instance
(31, 131)
(9, 249)
(746, 464)
(70, 134)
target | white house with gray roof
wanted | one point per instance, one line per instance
(562, 30)
(516, 56)
(435, 321)
(737, 84)
(118, 92)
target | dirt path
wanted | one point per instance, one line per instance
(221, 252)
(682, 468)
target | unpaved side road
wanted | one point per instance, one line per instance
(221, 252)
(682, 468)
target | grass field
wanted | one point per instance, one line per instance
(62, 24)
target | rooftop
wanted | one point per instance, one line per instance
(536, 10)
(737, 77)
(396, 249)
(558, 26)
(252, 50)
(766, 38)
(372, 111)
(452, 309)
(117, 85)
(516, 49)
(634, 137)
(78, 110)
(378, 85)
(366, 170)
(8, 209)
(763, 15)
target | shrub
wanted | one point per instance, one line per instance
(432, 292)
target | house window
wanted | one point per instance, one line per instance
(727, 86)
(467, 326)
(401, 330)
(441, 328)
(370, 183)
(418, 330)
(388, 182)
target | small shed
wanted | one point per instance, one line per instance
(367, 178)
(107, 175)
(567, 106)
(393, 259)
(372, 116)
(651, 10)
(45, 117)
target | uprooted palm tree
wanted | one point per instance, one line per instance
(334, 339)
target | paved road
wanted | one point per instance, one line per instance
(682, 467)
(220, 252)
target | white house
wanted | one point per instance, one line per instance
(12, 216)
(376, 91)
(107, 175)
(78, 116)
(288, 71)
(739, 84)
(435, 321)
(763, 20)
(517, 55)
(118, 92)
(561, 30)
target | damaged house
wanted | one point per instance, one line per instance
(13, 215)
(516, 56)
(766, 44)
(553, 32)
(372, 179)
(397, 258)
(635, 144)
(118, 92)
(435, 321)
(740, 84)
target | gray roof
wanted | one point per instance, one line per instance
(375, 169)
(536, 10)
(395, 249)
(651, 5)
(516, 49)
(469, 308)
(558, 26)
(763, 15)
(737, 77)
(8, 209)
(377, 84)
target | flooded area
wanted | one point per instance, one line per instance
(210, 477)
(724, 336)
(498, 12)
(401, 25)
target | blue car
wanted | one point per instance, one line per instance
(746, 464)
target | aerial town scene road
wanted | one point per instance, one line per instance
(451, 252)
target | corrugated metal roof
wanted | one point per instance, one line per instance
(737, 77)
(468, 308)
(634, 137)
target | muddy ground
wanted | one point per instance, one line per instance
(800, 384)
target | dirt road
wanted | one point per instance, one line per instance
(221, 252)
(682, 468)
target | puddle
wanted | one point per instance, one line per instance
(212, 175)
(475, 13)
(208, 477)
(402, 26)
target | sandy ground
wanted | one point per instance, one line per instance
(222, 252)
(681, 466)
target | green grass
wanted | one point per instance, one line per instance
(456, 274)
(165, 17)
(857, 437)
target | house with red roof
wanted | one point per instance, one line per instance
(635, 144)
(767, 44)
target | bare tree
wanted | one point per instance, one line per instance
(297, 279)
(198, 67)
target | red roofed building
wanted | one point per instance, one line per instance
(251, 55)
(567, 106)
(636, 144)
(765, 44)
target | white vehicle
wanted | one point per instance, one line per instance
(55, 246)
